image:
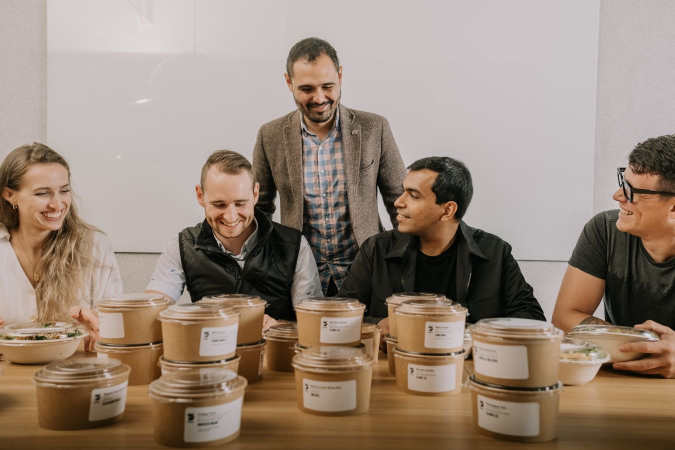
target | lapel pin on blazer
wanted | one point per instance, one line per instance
(355, 132)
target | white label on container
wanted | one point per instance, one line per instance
(510, 418)
(107, 402)
(369, 345)
(218, 340)
(340, 330)
(432, 378)
(111, 325)
(329, 395)
(444, 334)
(501, 361)
(262, 357)
(211, 423)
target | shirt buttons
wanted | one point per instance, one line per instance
(324, 194)
(323, 171)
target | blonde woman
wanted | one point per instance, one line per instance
(54, 265)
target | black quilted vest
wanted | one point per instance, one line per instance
(268, 270)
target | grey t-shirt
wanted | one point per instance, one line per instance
(637, 288)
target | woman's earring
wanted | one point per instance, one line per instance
(15, 206)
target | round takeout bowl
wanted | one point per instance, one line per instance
(611, 337)
(41, 351)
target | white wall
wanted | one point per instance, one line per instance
(635, 100)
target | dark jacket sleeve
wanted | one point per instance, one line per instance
(358, 283)
(518, 298)
(263, 175)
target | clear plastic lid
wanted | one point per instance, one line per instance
(35, 332)
(252, 345)
(333, 359)
(391, 339)
(196, 311)
(406, 296)
(478, 385)
(282, 332)
(329, 304)
(114, 348)
(582, 352)
(198, 364)
(431, 307)
(193, 384)
(235, 300)
(516, 327)
(139, 300)
(428, 356)
(367, 328)
(467, 332)
(613, 331)
(76, 371)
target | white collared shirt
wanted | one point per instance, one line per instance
(18, 302)
(169, 277)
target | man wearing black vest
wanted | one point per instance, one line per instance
(237, 249)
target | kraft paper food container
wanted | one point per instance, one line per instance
(370, 337)
(40, 342)
(251, 363)
(468, 342)
(430, 374)
(580, 361)
(252, 313)
(199, 332)
(516, 352)
(515, 414)
(281, 340)
(131, 319)
(80, 393)
(396, 299)
(333, 381)
(329, 321)
(167, 366)
(431, 326)
(142, 359)
(391, 361)
(611, 337)
(190, 409)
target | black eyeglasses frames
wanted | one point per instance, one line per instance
(629, 190)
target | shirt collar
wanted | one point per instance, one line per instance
(336, 124)
(248, 245)
(4, 232)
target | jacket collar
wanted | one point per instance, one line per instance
(408, 242)
(207, 241)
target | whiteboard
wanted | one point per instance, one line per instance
(141, 92)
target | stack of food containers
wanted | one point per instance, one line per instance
(250, 344)
(429, 355)
(199, 336)
(329, 321)
(281, 340)
(131, 333)
(391, 339)
(370, 337)
(515, 389)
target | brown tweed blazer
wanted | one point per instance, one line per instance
(371, 157)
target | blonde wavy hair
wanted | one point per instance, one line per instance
(67, 251)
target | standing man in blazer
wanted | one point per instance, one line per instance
(327, 161)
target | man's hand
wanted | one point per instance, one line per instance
(662, 359)
(268, 322)
(89, 320)
(384, 324)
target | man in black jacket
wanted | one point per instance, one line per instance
(435, 251)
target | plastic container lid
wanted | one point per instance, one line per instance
(329, 304)
(140, 300)
(235, 300)
(516, 327)
(467, 332)
(333, 359)
(474, 384)
(576, 351)
(191, 384)
(282, 332)
(78, 371)
(614, 331)
(196, 311)
(197, 364)
(367, 328)
(390, 338)
(405, 296)
(29, 333)
(428, 355)
(251, 345)
(431, 307)
(114, 348)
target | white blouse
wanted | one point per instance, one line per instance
(17, 295)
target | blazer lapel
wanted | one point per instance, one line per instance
(293, 147)
(351, 150)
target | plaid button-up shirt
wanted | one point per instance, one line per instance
(326, 222)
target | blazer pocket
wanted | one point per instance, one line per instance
(367, 166)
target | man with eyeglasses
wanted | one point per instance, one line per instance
(629, 256)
